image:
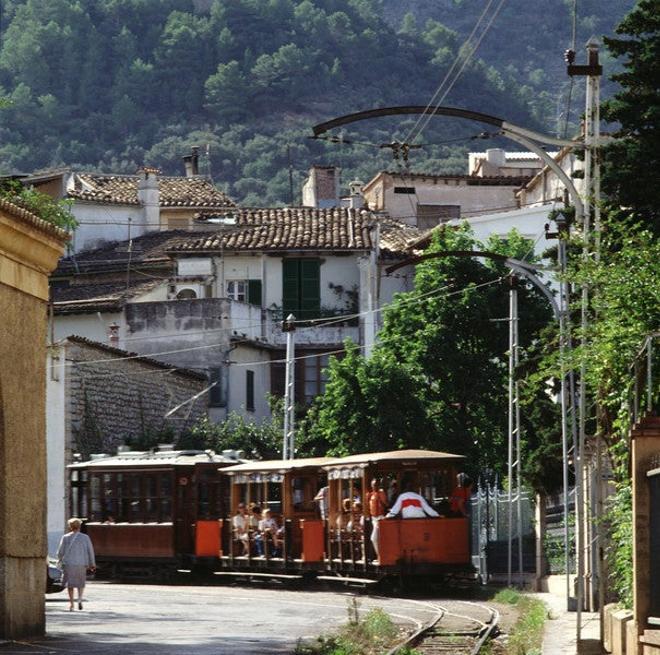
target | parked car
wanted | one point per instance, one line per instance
(53, 577)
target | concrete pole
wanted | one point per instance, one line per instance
(288, 443)
(514, 432)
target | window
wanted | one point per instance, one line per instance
(218, 393)
(249, 391)
(311, 376)
(405, 189)
(186, 294)
(236, 290)
(301, 284)
(429, 216)
(245, 291)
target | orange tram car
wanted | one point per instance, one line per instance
(152, 513)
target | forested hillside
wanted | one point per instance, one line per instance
(115, 84)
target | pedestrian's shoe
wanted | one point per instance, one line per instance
(79, 605)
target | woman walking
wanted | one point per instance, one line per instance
(75, 555)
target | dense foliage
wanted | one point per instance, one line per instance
(120, 83)
(630, 174)
(439, 374)
(57, 212)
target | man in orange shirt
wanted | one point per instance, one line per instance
(460, 497)
(377, 501)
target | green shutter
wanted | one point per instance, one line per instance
(310, 288)
(249, 391)
(254, 292)
(290, 287)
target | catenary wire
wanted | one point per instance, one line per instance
(215, 345)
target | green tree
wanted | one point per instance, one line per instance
(442, 356)
(632, 160)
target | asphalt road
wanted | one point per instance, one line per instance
(166, 620)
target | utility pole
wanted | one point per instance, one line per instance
(288, 442)
(514, 468)
(592, 70)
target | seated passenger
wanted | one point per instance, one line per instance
(240, 525)
(411, 505)
(253, 528)
(356, 521)
(270, 530)
(344, 517)
(460, 496)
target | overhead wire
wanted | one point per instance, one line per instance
(450, 71)
(428, 116)
(215, 345)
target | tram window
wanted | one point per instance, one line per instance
(95, 493)
(275, 497)
(83, 508)
(165, 510)
(151, 498)
(298, 493)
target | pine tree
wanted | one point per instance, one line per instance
(632, 161)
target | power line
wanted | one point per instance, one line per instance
(450, 71)
(467, 58)
(215, 345)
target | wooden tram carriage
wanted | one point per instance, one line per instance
(143, 509)
(148, 511)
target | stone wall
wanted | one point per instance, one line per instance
(118, 399)
(29, 249)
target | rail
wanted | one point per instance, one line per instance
(469, 636)
(643, 398)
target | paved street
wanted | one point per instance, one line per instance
(163, 620)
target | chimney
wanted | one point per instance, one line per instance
(355, 199)
(113, 334)
(496, 157)
(191, 162)
(194, 154)
(149, 197)
(321, 189)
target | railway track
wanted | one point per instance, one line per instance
(458, 628)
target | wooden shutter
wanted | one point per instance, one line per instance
(310, 288)
(249, 390)
(254, 292)
(290, 287)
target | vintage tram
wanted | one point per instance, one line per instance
(143, 510)
(177, 509)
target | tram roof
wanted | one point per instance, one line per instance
(393, 455)
(279, 465)
(160, 457)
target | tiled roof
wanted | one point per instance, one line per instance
(33, 220)
(299, 228)
(104, 297)
(123, 190)
(147, 250)
(185, 372)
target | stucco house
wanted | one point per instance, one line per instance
(213, 300)
(110, 207)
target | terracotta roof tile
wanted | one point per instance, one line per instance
(298, 228)
(123, 190)
(95, 297)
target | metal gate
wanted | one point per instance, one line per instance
(654, 538)
(490, 532)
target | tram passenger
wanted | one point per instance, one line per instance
(322, 499)
(254, 520)
(240, 525)
(410, 504)
(460, 496)
(344, 517)
(269, 529)
(377, 500)
(356, 521)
